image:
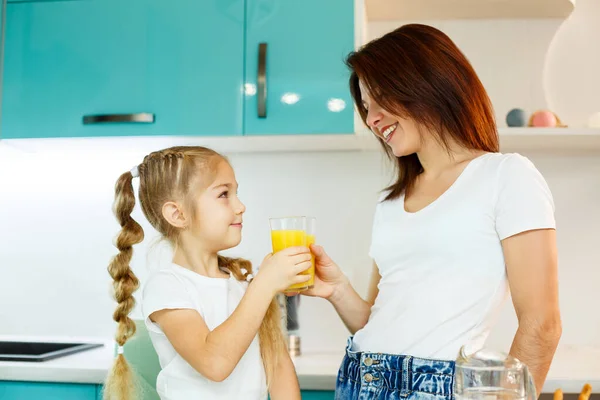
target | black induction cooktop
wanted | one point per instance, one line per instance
(40, 351)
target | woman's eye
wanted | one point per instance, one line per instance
(224, 194)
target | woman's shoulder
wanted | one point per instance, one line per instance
(499, 159)
(383, 195)
(508, 165)
(515, 176)
(383, 201)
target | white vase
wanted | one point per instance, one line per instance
(572, 66)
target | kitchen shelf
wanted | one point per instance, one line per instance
(553, 140)
(550, 140)
(381, 10)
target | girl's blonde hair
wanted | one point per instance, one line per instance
(175, 173)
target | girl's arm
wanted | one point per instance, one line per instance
(285, 382)
(215, 354)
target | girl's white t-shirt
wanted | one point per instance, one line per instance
(443, 275)
(175, 287)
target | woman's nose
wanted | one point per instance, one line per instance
(374, 118)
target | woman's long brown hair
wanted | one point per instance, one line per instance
(174, 173)
(417, 72)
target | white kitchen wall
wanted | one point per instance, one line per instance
(56, 225)
(508, 56)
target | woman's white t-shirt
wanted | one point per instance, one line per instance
(443, 275)
(175, 287)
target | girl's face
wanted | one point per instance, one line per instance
(218, 220)
(401, 134)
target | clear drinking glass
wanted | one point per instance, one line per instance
(311, 234)
(289, 232)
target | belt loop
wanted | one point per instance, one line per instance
(406, 376)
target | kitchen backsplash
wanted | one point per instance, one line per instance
(57, 232)
(57, 228)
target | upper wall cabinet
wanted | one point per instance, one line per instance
(74, 68)
(151, 67)
(296, 79)
(34, 1)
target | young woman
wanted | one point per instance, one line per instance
(460, 226)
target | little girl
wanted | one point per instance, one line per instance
(203, 312)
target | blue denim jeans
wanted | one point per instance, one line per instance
(374, 376)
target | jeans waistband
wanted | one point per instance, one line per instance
(402, 362)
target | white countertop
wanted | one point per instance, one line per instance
(571, 369)
(90, 366)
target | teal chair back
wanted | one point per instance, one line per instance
(143, 359)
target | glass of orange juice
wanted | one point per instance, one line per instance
(311, 232)
(289, 232)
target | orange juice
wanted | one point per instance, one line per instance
(284, 238)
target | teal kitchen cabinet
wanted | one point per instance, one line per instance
(11, 390)
(156, 67)
(317, 394)
(296, 80)
(2, 18)
(187, 68)
(32, 1)
(2, 22)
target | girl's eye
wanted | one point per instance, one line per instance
(224, 194)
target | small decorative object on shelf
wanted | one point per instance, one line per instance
(516, 118)
(545, 119)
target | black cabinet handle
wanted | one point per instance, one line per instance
(262, 80)
(139, 118)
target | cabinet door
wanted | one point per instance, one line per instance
(2, 18)
(32, 1)
(306, 78)
(318, 394)
(180, 63)
(10, 390)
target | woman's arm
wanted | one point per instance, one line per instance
(352, 309)
(285, 382)
(531, 263)
(332, 284)
(373, 285)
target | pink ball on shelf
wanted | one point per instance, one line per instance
(543, 118)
